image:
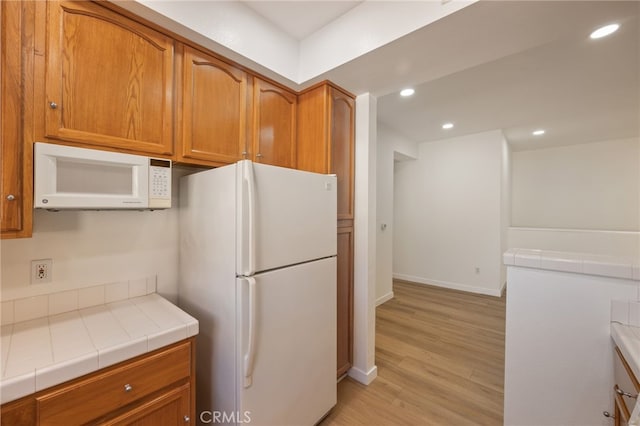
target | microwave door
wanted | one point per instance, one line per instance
(76, 178)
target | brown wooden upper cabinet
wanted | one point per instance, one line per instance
(326, 139)
(214, 109)
(15, 161)
(109, 80)
(274, 125)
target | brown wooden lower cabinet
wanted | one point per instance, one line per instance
(345, 299)
(154, 389)
(168, 409)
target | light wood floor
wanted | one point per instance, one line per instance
(440, 358)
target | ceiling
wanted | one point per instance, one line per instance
(515, 66)
(299, 19)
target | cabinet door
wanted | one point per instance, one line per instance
(214, 109)
(16, 68)
(345, 299)
(109, 80)
(274, 125)
(11, 141)
(312, 125)
(168, 409)
(342, 115)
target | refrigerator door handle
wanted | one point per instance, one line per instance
(250, 180)
(249, 357)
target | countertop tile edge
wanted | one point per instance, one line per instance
(17, 387)
(584, 263)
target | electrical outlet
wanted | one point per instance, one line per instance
(41, 271)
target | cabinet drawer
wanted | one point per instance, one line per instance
(105, 392)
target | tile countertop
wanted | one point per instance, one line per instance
(581, 263)
(627, 338)
(44, 352)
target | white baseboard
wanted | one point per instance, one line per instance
(362, 377)
(385, 298)
(454, 286)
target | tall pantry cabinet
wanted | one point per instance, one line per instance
(326, 144)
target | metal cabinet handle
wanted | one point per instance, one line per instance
(11, 197)
(187, 419)
(627, 394)
(53, 105)
(608, 414)
(128, 388)
(258, 155)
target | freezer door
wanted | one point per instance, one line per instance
(285, 217)
(287, 349)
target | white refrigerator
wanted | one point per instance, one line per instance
(258, 271)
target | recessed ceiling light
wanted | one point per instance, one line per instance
(605, 31)
(447, 126)
(538, 132)
(407, 92)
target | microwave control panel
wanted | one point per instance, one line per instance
(159, 183)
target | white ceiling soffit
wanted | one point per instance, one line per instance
(246, 36)
(301, 18)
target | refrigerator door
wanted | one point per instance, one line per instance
(285, 217)
(287, 345)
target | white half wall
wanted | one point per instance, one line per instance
(447, 217)
(95, 247)
(558, 348)
(364, 317)
(391, 147)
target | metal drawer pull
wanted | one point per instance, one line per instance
(608, 414)
(187, 419)
(53, 105)
(11, 197)
(128, 388)
(627, 394)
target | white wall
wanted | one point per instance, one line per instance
(447, 216)
(90, 248)
(391, 147)
(582, 198)
(364, 316)
(366, 27)
(505, 202)
(587, 186)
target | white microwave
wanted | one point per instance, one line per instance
(67, 178)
